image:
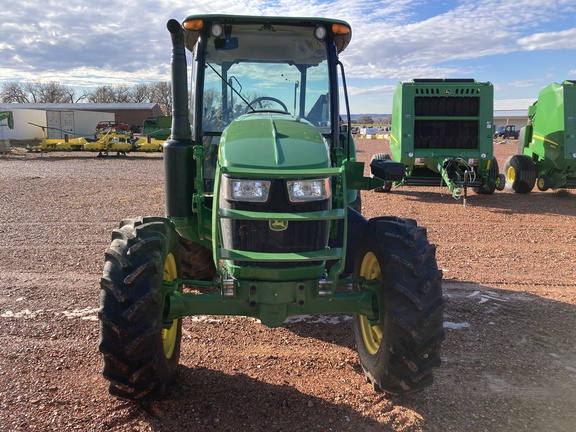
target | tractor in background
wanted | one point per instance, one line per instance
(547, 145)
(262, 213)
(157, 127)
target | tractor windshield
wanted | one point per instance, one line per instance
(255, 67)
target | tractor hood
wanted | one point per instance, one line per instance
(272, 141)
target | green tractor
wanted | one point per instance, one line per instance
(547, 145)
(262, 198)
(157, 127)
(442, 132)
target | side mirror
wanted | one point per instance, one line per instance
(387, 169)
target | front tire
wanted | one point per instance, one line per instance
(140, 352)
(399, 353)
(543, 183)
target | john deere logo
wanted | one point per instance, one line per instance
(278, 225)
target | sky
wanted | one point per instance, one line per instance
(520, 46)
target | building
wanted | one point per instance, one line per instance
(75, 119)
(511, 112)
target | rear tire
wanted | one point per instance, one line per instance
(399, 354)
(140, 356)
(520, 174)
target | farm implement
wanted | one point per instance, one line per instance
(53, 144)
(442, 132)
(547, 145)
(109, 137)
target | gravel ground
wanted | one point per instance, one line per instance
(509, 359)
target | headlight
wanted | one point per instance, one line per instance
(308, 190)
(245, 190)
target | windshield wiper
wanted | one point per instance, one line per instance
(229, 84)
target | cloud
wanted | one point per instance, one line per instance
(85, 44)
(565, 39)
(466, 32)
(526, 83)
(382, 89)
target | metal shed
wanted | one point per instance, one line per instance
(511, 112)
(30, 122)
(132, 113)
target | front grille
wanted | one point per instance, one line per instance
(257, 235)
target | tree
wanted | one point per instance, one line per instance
(162, 95)
(109, 94)
(38, 92)
(365, 119)
(72, 96)
(141, 93)
(12, 92)
(53, 92)
(113, 94)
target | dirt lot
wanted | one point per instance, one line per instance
(509, 359)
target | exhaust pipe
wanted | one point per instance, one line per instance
(179, 167)
(180, 122)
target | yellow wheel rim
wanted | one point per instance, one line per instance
(510, 174)
(371, 335)
(541, 182)
(169, 336)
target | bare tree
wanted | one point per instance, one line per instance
(141, 93)
(13, 92)
(103, 94)
(37, 92)
(123, 94)
(30, 89)
(111, 94)
(162, 95)
(51, 92)
(71, 94)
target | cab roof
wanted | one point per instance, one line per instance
(341, 39)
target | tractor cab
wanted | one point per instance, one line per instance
(252, 71)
